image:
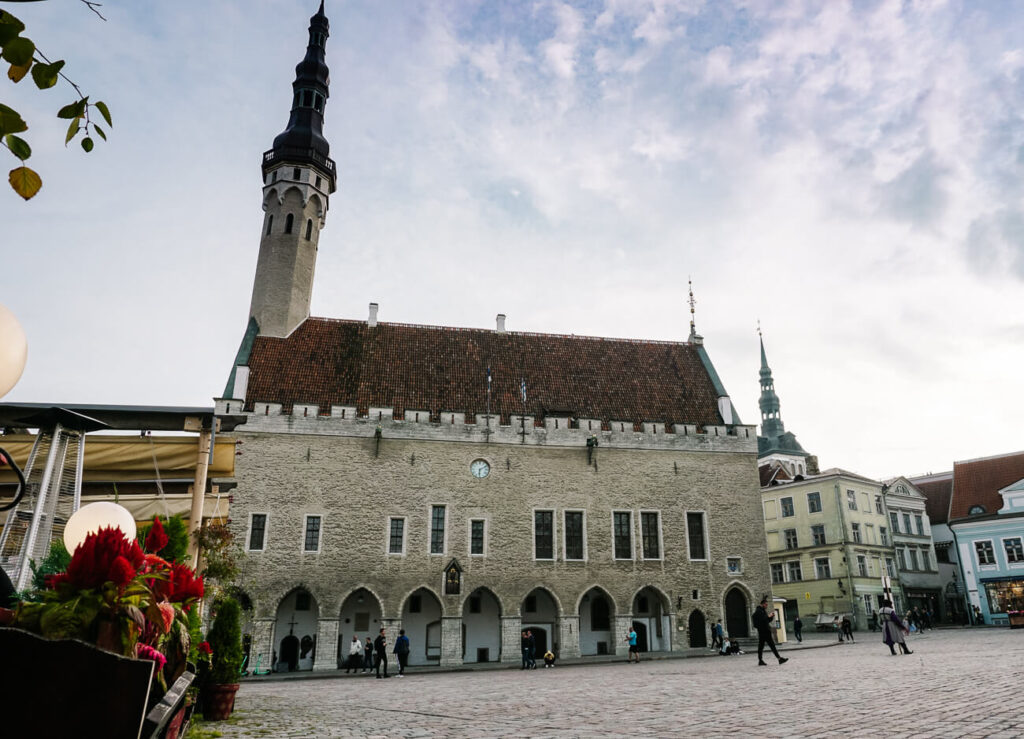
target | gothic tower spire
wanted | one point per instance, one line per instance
(298, 179)
(775, 445)
(771, 419)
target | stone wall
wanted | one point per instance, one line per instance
(356, 483)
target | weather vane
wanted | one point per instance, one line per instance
(693, 304)
(758, 326)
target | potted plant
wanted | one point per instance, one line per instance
(1016, 619)
(225, 643)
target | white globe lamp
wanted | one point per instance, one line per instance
(13, 351)
(91, 518)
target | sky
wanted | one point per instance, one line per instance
(846, 174)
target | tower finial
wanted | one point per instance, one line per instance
(693, 310)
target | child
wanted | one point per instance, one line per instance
(549, 659)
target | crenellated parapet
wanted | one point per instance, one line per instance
(304, 418)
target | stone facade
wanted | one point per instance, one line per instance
(338, 469)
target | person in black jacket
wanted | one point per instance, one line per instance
(763, 623)
(380, 646)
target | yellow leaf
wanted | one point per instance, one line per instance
(25, 182)
(16, 73)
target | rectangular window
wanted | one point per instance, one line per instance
(919, 525)
(890, 568)
(650, 534)
(543, 535)
(869, 533)
(312, 540)
(823, 568)
(257, 531)
(818, 535)
(862, 565)
(942, 552)
(396, 536)
(986, 554)
(787, 507)
(795, 574)
(851, 500)
(574, 534)
(883, 534)
(901, 559)
(894, 521)
(695, 535)
(1014, 550)
(777, 573)
(437, 529)
(913, 558)
(878, 504)
(476, 536)
(906, 524)
(814, 502)
(856, 532)
(791, 542)
(869, 604)
(926, 560)
(622, 525)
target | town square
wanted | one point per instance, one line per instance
(568, 368)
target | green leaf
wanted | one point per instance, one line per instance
(45, 75)
(104, 111)
(18, 51)
(72, 130)
(10, 121)
(87, 143)
(25, 182)
(100, 132)
(18, 146)
(73, 110)
(10, 27)
(17, 73)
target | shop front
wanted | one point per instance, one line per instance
(1005, 600)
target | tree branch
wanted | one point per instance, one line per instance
(92, 6)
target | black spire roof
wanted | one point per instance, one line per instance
(302, 141)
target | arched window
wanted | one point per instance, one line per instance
(270, 223)
(288, 223)
(309, 229)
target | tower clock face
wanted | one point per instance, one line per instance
(480, 468)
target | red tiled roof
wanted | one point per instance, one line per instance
(937, 493)
(978, 482)
(770, 474)
(400, 366)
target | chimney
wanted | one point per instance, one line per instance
(372, 321)
(501, 323)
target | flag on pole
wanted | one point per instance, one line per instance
(488, 377)
(522, 389)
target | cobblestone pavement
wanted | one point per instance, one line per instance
(957, 683)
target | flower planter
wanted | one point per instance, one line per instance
(219, 701)
(1017, 620)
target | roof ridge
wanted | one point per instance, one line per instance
(353, 321)
(988, 459)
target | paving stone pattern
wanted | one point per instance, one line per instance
(957, 683)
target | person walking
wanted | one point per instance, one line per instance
(402, 651)
(837, 627)
(526, 651)
(874, 621)
(763, 623)
(355, 655)
(798, 628)
(716, 635)
(893, 629)
(848, 628)
(634, 649)
(368, 655)
(380, 647)
(531, 647)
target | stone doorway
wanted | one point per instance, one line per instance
(697, 628)
(736, 616)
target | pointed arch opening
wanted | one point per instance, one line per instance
(270, 223)
(309, 229)
(597, 622)
(421, 619)
(481, 627)
(289, 222)
(737, 613)
(360, 617)
(295, 632)
(539, 613)
(651, 619)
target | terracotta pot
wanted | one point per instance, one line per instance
(219, 701)
(6, 616)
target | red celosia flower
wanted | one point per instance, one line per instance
(52, 581)
(156, 539)
(144, 651)
(91, 564)
(121, 572)
(204, 648)
(185, 586)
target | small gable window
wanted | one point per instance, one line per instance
(288, 222)
(309, 229)
(270, 223)
(976, 510)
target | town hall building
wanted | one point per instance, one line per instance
(464, 484)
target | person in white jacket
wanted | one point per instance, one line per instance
(355, 655)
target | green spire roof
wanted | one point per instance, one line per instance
(774, 437)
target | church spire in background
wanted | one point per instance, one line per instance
(771, 419)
